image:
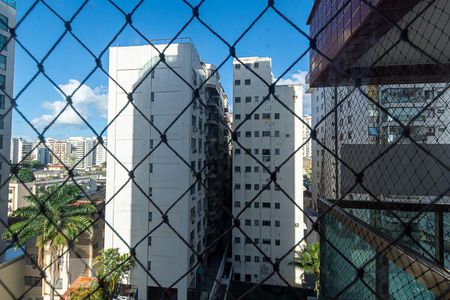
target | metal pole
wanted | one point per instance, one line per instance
(439, 236)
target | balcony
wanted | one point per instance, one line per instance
(361, 256)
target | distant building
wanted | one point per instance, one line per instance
(100, 152)
(306, 133)
(43, 155)
(21, 151)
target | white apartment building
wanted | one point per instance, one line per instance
(306, 132)
(21, 150)
(271, 134)
(100, 152)
(162, 176)
(8, 17)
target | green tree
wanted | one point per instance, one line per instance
(308, 259)
(25, 174)
(50, 217)
(36, 164)
(112, 268)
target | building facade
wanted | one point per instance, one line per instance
(7, 19)
(270, 134)
(159, 180)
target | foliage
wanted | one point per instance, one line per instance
(307, 181)
(36, 164)
(24, 174)
(52, 218)
(308, 259)
(112, 268)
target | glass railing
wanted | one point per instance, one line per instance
(359, 259)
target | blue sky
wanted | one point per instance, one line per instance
(99, 21)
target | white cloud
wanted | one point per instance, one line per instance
(299, 77)
(295, 78)
(89, 102)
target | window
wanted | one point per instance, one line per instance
(237, 82)
(349, 135)
(248, 116)
(237, 258)
(248, 187)
(265, 223)
(256, 98)
(237, 151)
(256, 240)
(237, 204)
(2, 62)
(149, 265)
(256, 134)
(237, 99)
(277, 242)
(152, 96)
(151, 144)
(256, 205)
(248, 99)
(256, 116)
(266, 133)
(237, 66)
(256, 151)
(256, 187)
(248, 222)
(277, 205)
(349, 119)
(3, 40)
(277, 151)
(266, 205)
(256, 222)
(150, 168)
(150, 191)
(256, 65)
(237, 169)
(150, 216)
(2, 82)
(237, 186)
(237, 116)
(149, 240)
(248, 169)
(2, 101)
(247, 82)
(237, 276)
(256, 169)
(33, 281)
(256, 258)
(277, 116)
(248, 277)
(277, 133)
(248, 258)
(152, 118)
(3, 23)
(266, 152)
(266, 116)
(277, 223)
(238, 133)
(266, 241)
(237, 240)
(248, 134)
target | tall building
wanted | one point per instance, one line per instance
(161, 179)
(100, 152)
(60, 151)
(271, 134)
(8, 266)
(88, 161)
(43, 155)
(307, 148)
(21, 151)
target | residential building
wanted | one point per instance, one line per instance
(21, 151)
(60, 151)
(43, 155)
(100, 152)
(7, 20)
(160, 174)
(265, 138)
(306, 133)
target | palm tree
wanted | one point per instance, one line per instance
(308, 259)
(54, 218)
